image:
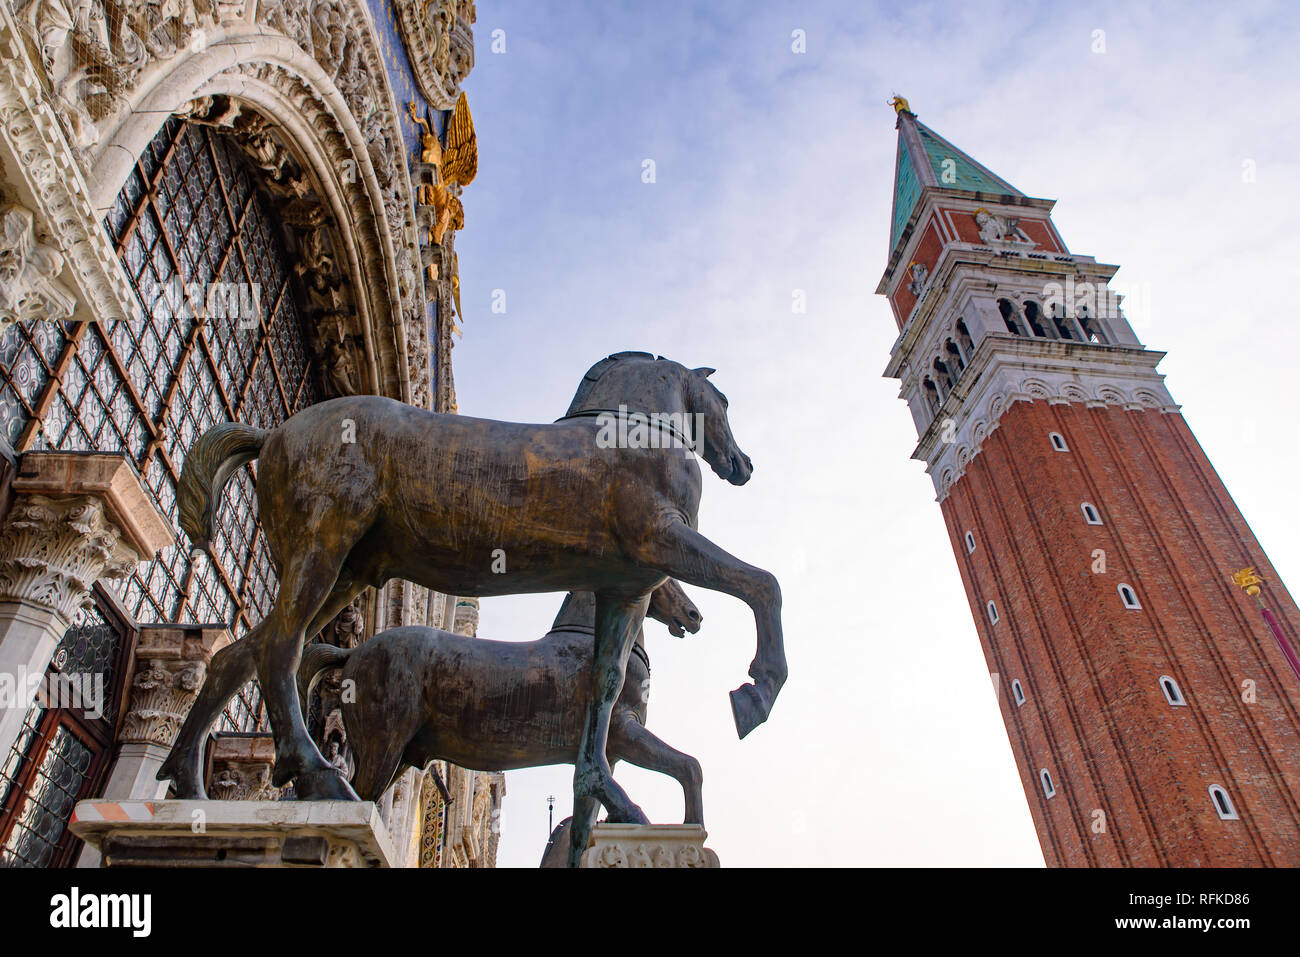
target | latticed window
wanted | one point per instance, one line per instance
(62, 753)
(219, 339)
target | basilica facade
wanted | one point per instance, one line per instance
(212, 210)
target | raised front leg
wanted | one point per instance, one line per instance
(633, 742)
(687, 555)
(617, 621)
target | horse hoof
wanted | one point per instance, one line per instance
(748, 708)
(324, 785)
(629, 815)
(186, 786)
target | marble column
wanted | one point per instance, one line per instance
(171, 661)
(75, 518)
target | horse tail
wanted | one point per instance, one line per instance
(208, 467)
(318, 657)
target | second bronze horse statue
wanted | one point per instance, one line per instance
(422, 694)
(354, 491)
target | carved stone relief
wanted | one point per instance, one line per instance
(47, 182)
(325, 297)
(101, 57)
(649, 845)
(29, 288)
(439, 39)
(170, 664)
(53, 550)
(241, 768)
(1000, 232)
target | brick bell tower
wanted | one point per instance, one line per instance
(1152, 710)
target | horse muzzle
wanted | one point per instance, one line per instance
(681, 624)
(741, 467)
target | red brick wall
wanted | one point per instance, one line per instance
(935, 236)
(1095, 715)
(927, 251)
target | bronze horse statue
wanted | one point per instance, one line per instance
(357, 490)
(421, 694)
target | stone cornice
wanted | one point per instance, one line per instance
(1007, 369)
(108, 477)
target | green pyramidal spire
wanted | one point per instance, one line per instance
(927, 159)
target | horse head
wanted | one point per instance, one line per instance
(720, 449)
(690, 406)
(670, 604)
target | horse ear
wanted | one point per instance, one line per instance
(704, 371)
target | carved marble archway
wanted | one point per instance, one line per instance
(305, 89)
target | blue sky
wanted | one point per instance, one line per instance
(773, 174)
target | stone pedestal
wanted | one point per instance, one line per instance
(76, 518)
(235, 833)
(649, 845)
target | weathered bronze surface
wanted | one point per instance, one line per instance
(358, 490)
(421, 694)
(557, 846)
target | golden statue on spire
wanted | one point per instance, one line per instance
(1248, 579)
(900, 104)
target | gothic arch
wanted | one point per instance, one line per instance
(348, 193)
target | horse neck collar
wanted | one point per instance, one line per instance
(623, 412)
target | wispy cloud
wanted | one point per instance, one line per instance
(773, 172)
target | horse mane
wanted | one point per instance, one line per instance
(578, 613)
(594, 374)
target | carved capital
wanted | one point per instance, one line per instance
(241, 768)
(648, 845)
(76, 518)
(108, 477)
(171, 662)
(52, 551)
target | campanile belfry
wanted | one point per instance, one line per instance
(1151, 707)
